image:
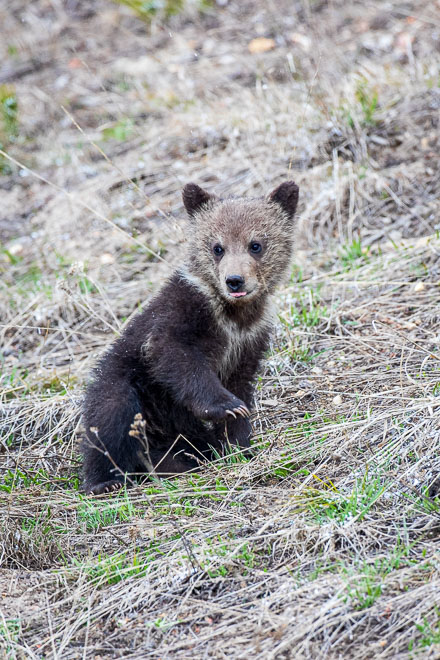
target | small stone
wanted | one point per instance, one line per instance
(419, 286)
(16, 248)
(337, 400)
(301, 40)
(106, 258)
(403, 42)
(261, 45)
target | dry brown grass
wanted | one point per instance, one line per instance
(325, 544)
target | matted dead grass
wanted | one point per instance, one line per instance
(326, 543)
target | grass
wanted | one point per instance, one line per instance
(368, 98)
(366, 585)
(109, 570)
(18, 479)
(329, 503)
(351, 253)
(148, 10)
(9, 633)
(96, 515)
(429, 634)
(324, 542)
(121, 130)
(8, 122)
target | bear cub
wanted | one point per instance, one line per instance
(176, 387)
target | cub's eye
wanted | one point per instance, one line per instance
(255, 248)
(218, 250)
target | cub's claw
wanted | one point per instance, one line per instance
(105, 487)
(113, 487)
(228, 407)
(243, 411)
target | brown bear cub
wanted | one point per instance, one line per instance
(176, 387)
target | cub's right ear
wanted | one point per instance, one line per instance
(286, 195)
(195, 197)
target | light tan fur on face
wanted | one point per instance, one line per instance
(238, 261)
(235, 224)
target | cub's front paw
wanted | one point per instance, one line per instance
(229, 407)
(105, 487)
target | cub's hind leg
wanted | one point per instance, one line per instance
(109, 451)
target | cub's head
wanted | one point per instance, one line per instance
(240, 247)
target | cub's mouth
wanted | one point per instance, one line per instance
(241, 297)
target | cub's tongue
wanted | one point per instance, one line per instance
(237, 295)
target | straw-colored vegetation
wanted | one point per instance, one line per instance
(326, 543)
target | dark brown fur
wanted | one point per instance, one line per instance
(185, 365)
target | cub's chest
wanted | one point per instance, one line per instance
(235, 343)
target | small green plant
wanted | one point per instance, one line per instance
(296, 275)
(352, 252)
(286, 467)
(86, 286)
(161, 623)
(216, 553)
(306, 309)
(18, 479)
(366, 587)
(423, 501)
(231, 455)
(367, 99)
(14, 381)
(8, 111)
(364, 110)
(430, 633)
(12, 258)
(366, 582)
(149, 9)
(9, 631)
(212, 562)
(8, 123)
(117, 567)
(98, 514)
(248, 557)
(330, 503)
(111, 569)
(120, 131)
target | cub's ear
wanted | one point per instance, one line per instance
(286, 195)
(195, 197)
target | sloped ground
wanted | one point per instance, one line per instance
(326, 543)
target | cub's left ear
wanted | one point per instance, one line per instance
(286, 195)
(195, 197)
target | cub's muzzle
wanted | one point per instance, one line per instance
(235, 283)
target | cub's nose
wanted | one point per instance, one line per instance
(235, 282)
